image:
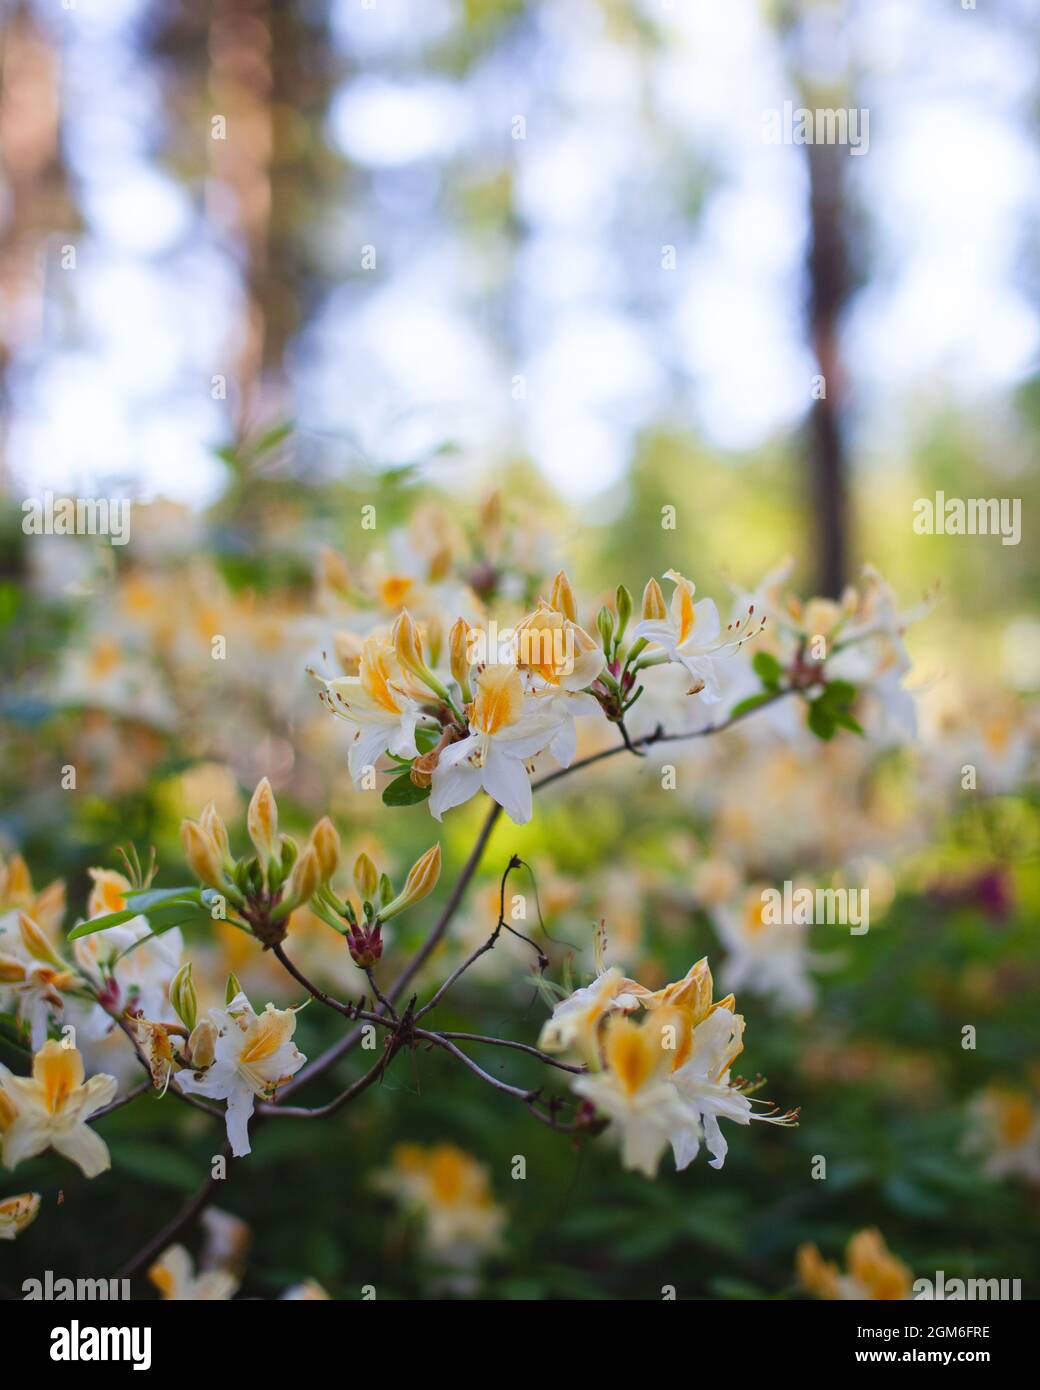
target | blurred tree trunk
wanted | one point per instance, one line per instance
(829, 286)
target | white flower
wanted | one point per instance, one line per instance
(253, 1055)
(50, 1109)
(18, 1212)
(173, 1274)
(379, 701)
(691, 634)
(703, 1081)
(1005, 1132)
(770, 959)
(451, 1193)
(636, 1093)
(507, 728)
(574, 1022)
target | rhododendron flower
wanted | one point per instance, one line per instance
(691, 634)
(451, 1193)
(173, 1274)
(50, 1109)
(16, 1213)
(663, 1078)
(771, 959)
(253, 1055)
(1005, 1131)
(506, 729)
(380, 702)
(636, 1092)
(574, 1024)
(874, 1273)
(702, 1080)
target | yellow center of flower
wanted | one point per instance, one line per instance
(104, 658)
(687, 614)
(394, 590)
(629, 1054)
(499, 699)
(1016, 1119)
(376, 674)
(265, 1036)
(448, 1168)
(58, 1071)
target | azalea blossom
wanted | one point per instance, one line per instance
(50, 1109)
(16, 1213)
(772, 959)
(660, 1075)
(253, 1054)
(381, 702)
(874, 1273)
(1005, 1132)
(507, 728)
(635, 1091)
(574, 1024)
(451, 1194)
(173, 1274)
(690, 633)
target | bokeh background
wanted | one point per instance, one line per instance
(330, 254)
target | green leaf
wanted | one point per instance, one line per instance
(821, 720)
(752, 702)
(845, 720)
(427, 739)
(164, 908)
(402, 791)
(839, 693)
(768, 669)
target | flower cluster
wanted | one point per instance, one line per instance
(658, 1064)
(478, 711)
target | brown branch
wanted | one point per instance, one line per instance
(173, 1228)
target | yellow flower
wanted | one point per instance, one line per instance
(50, 1110)
(874, 1273)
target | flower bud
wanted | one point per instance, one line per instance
(653, 602)
(232, 988)
(623, 601)
(562, 597)
(458, 652)
(422, 879)
(306, 876)
(212, 823)
(434, 638)
(202, 855)
(183, 997)
(408, 644)
(36, 942)
(262, 822)
(326, 842)
(202, 1045)
(605, 623)
(366, 876)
